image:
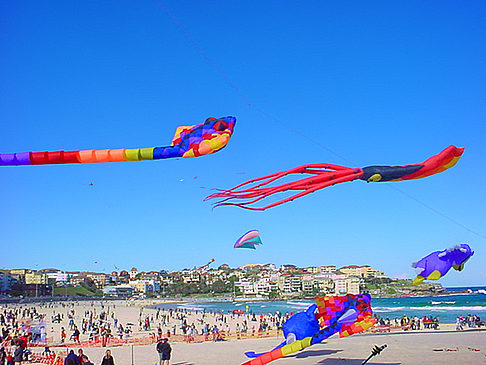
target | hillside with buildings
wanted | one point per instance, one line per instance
(251, 280)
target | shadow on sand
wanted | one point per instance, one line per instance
(423, 332)
(311, 353)
(339, 361)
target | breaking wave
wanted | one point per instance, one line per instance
(429, 308)
(434, 302)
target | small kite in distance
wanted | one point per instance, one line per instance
(205, 267)
(250, 239)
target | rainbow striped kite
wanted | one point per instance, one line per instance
(188, 141)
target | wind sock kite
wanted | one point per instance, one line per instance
(347, 314)
(205, 267)
(250, 239)
(188, 141)
(438, 263)
(324, 175)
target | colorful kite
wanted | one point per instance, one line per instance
(205, 267)
(347, 314)
(250, 239)
(188, 141)
(438, 263)
(324, 175)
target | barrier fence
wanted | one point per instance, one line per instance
(57, 357)
(100, 341)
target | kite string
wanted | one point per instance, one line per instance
(239, 92)
(438, 212)
(203, 52)
(281, 122)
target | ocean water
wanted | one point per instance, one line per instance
(446, 307)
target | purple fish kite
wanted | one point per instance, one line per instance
(438, 263)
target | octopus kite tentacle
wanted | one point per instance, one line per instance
(324, 175)
(189, 141)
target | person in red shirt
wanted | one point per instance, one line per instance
(83, 359)
(63, 335)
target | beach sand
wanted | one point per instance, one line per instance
(403, 348)
(410, 347)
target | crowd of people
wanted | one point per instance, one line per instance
(410, 323)
(471, 321)
(82, 324)
(13, 322)
(82, 359)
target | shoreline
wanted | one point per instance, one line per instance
(20, 300)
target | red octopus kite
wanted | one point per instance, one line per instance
(324, 175)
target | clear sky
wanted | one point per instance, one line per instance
(382, 82)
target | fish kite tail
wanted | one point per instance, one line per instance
(280, 352)
(252, 354)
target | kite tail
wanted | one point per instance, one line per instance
(252, 354)
(86, 156)
(89, 156)
(280, 352)
(14, 159)
(322, 175)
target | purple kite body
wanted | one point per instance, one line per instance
(438, 263)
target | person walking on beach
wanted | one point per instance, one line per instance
(75, 335)
(3, 356)
(164, 350)
(108, 359)
(63, 335)
(459, 322)
(18, 355)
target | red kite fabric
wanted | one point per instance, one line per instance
(324, 175)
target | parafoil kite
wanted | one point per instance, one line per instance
(324, 175)
(438, 263)
(250, 239)
(347, 314)
(188, 141)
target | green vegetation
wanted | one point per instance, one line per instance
(74, 291)
(188, 289)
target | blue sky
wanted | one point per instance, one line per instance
(378, 82)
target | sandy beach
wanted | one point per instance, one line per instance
(441, 346)
(403, 348)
